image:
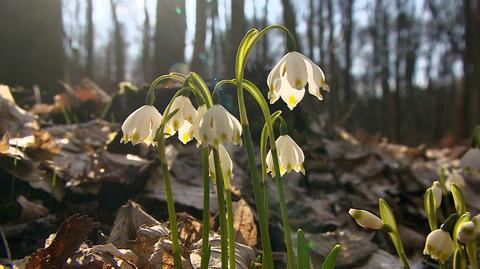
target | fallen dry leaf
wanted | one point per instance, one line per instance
(67, 240)
(244, 224)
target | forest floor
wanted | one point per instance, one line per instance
(104, 201)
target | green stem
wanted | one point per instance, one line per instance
(221, 208)
(170, 205)
(472, 255)
(258, 195)
(206, 206)
(443, 265)
(231, 231)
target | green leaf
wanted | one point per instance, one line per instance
(458, 199)
(459, 261)
(302, 250)
(430, 209)
(389, 219)
(329, 262)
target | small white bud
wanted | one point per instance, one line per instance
(439, 245)
(366, 219)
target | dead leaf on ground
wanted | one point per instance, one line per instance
(244, 224)
(129, 218)
(67, 240)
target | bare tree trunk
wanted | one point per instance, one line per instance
(321, 32)
(31, 44)
(332, 63)
(347, 35)
(199, 57)
(146, 50)
(237, 30)
(265, 38)
(290, 20)
(119, 44)
(169, 35)
(310, 29)
(89, 40)
(215, 51)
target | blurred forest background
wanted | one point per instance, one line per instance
(405, 69)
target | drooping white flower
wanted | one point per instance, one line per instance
(195, 130)
(290, 156)
(439, 245)
(466, 231)
(217, 126)
(225, 162)
(471, 160)
(141, 125)
(437, 193)
(455, 178)
(186, 114)
(289, 76)
(366, 219)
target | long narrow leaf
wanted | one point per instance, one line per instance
(302, 250)
(329, 262)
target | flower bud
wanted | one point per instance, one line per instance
(437, 193)
(439, 245)
(366, 219)
(466, 232)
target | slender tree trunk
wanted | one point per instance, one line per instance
(31, 44)
(146, 50)
(89, 40)
(265, 39)
(169, 35)
(199, 59)
(332, 63)
(321, 32)
(310, 37)
(290, 20)
(237, 30)
(119, 44)
(215, 51)
(347, 35)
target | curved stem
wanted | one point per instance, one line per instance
(221, 208)
(472, 255)
(206, 206)
(170, 205)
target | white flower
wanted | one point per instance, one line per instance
(455, 178)
(471, 160)
(437, 193)
(439, 245)
(366, 219)
(225, 162)
(195, 130)
(466, 232)
(186, 113)
(217, 126)
(126, 85)
(290, 156)
(141, 125)
(289, 77)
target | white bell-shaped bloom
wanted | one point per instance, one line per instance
(471, 160)
(195, 130)
(366, 219)
(437, 193)
(439, 245)
(289, 76)
(141, 125)
(290, 156)
(466, 232)
(186, 113)
(225, 162)
(217, 126)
